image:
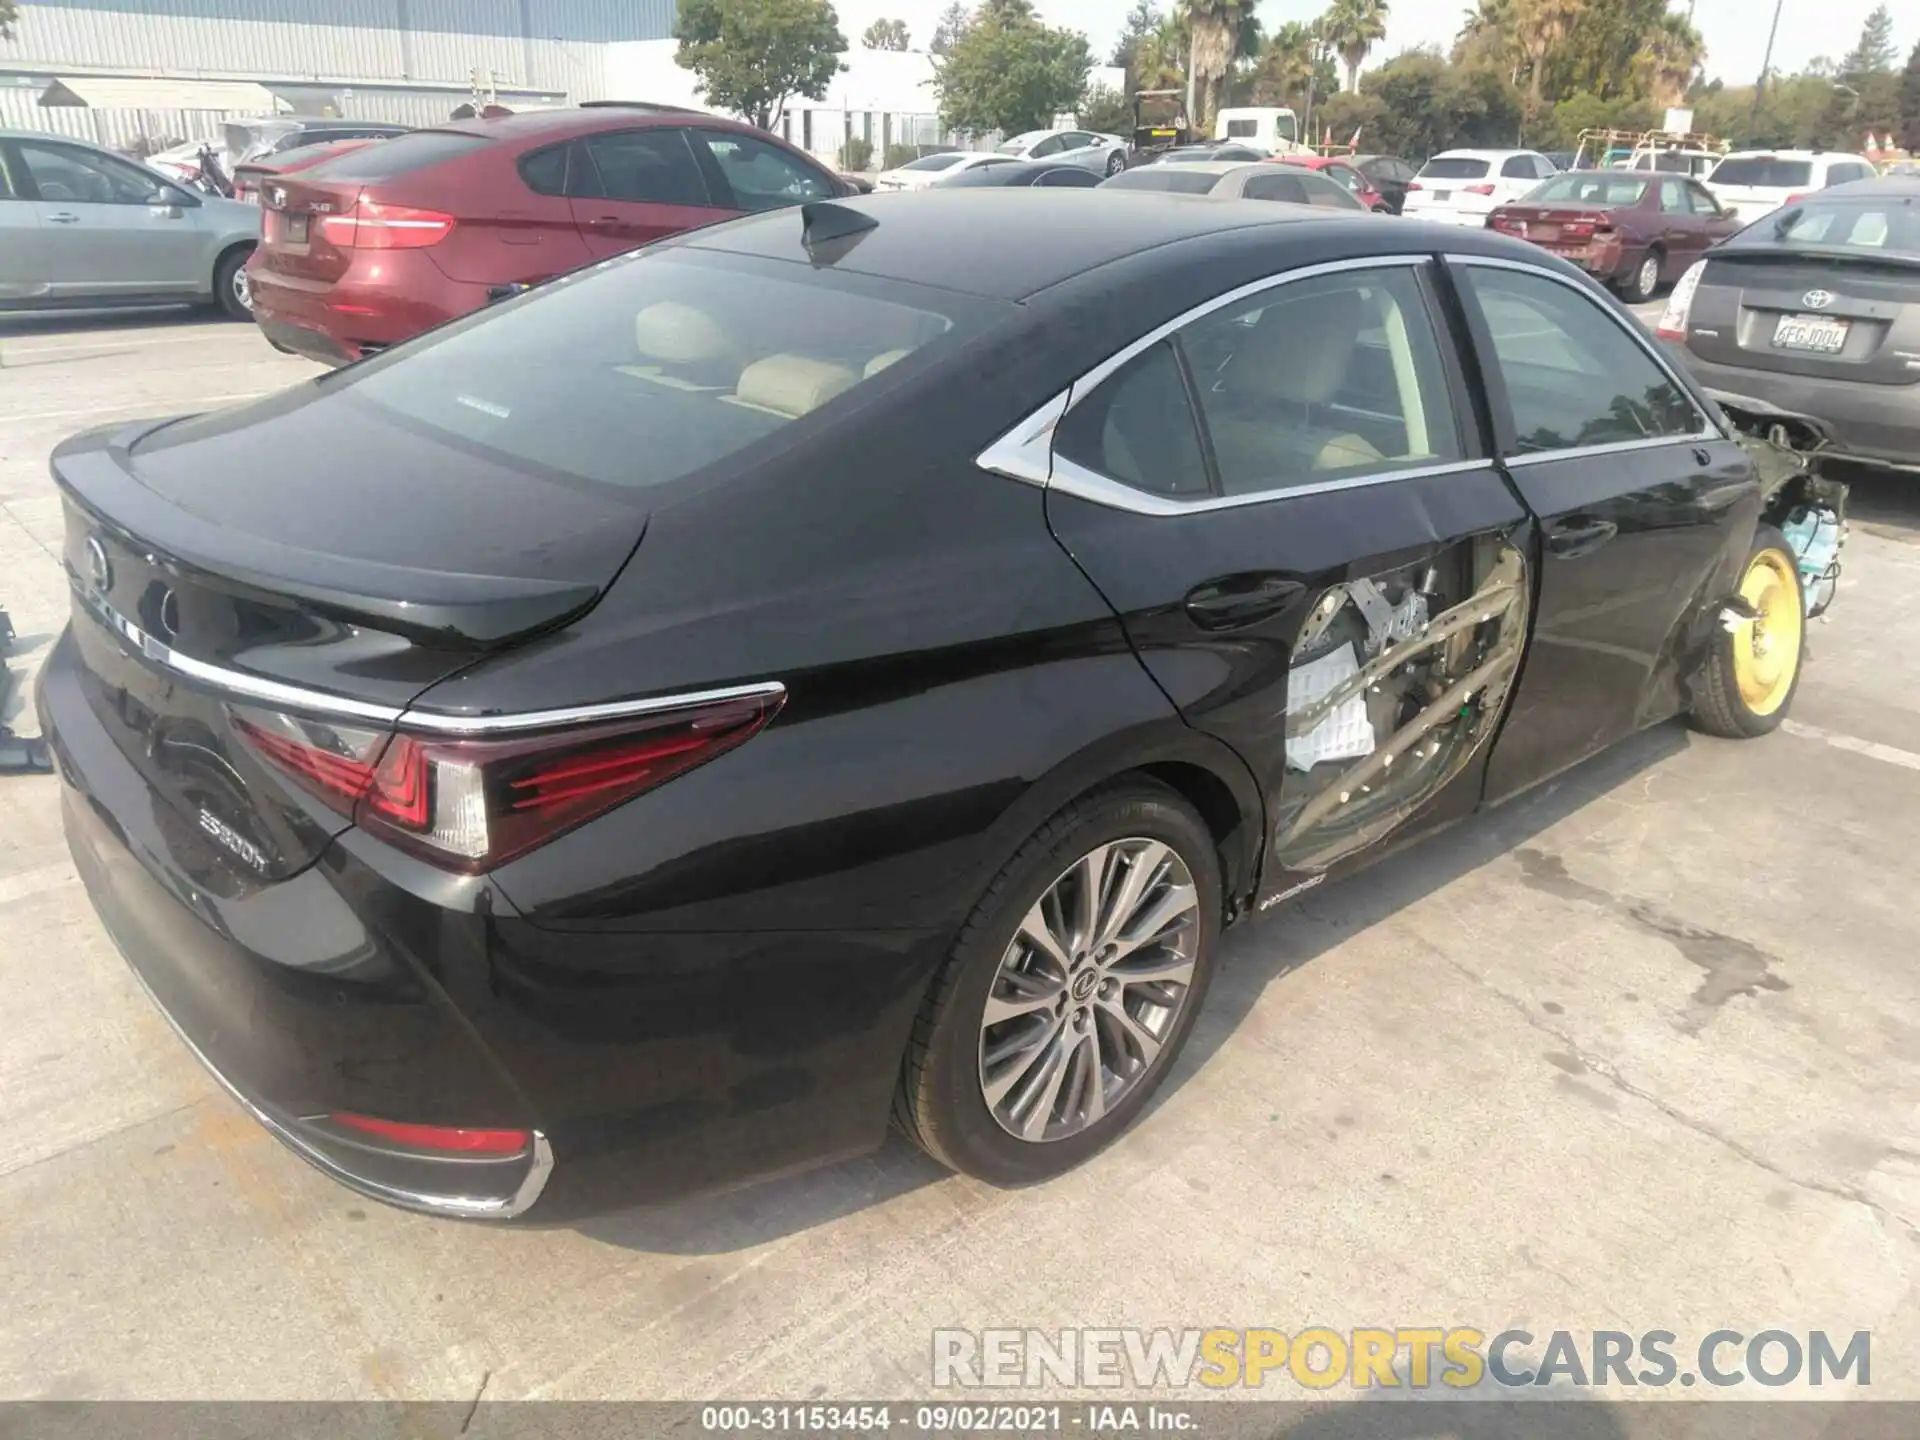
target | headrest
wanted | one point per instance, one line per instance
(676, 334)
(1306, 345)
(792, 385)
(883, 360)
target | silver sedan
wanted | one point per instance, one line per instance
(81, 226)
(1105, 154)
(1262, 180)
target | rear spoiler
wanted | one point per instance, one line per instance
(451, 610)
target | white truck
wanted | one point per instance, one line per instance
(1272, 127)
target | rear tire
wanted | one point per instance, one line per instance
(231, 292)
(1104, 1022)
(1645, 279)
(1754, 670)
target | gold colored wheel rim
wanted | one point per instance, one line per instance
(1766, 653)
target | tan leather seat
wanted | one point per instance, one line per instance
(792, 385)
(883, 360)
(683, 347)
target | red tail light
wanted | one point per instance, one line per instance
(448, 1140)
(471, 804)
(1413, 185)
(1796, 199)
(370, 225)
(1477, 189)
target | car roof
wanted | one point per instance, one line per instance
(1213, 167)
(1842, 155)
(1900, 187)
(1041, 236)
(581, 119)
(1480, 154)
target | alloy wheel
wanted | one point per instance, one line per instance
(243, 288)
(1649, 277)
(1089, 989)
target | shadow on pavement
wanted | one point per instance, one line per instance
(49, 324)
(1252, 957)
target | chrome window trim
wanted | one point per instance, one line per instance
(1710, 429)
(240, 685)
(1025, 452)
(1077, 480)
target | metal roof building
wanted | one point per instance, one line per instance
(404, 60)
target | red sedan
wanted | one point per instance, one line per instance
(1630, 229)
(1337, 167)
(364, 250)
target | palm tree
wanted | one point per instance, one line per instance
(1214, 26)
(1669, 58)
(1160, 59)
(1286, 64)
(1537, 27)
(1352, 28)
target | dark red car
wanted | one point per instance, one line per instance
(365, 250)
(1631, 229)
(1342, 169)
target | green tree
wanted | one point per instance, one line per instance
(1353, 28)
(952, 25)
(886, 35)
(1427, 105)
(1009, 72)
(752, 56)
(1666, 60)
(1910, 102)
(1875, 50)
(1105, 111)
(1285, 65)
(1142, 23)
(1215, 28)
(1160, 59)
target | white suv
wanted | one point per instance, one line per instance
(1461, 187)
(1753, 183)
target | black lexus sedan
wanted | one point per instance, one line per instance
(821, 668)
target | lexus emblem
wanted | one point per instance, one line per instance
(99, 568)
(1817, 299)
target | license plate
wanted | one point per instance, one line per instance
(1544, 233)
(1810, 332)
(296, 229)
(1443, 194)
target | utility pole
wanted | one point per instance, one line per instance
(1766, 64)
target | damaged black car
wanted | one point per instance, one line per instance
(819, 670)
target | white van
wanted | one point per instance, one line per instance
(1271, 127)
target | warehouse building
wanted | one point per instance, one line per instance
(409, 61)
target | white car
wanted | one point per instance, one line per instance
(1462, 187)
(1753, 183)
(932, 169)
(1106, 154)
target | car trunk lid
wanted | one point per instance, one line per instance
(1833, 315)
(223, 594)
(295, 238)
(1557, 227)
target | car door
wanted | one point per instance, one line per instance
(632, 187)
(1681, 231)
(1284, 497)
(1641, 503)
(1715, 223)
(750, 173)
(24, 262)
(111, 228)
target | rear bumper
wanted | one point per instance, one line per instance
(1873, 424)
(1447, 215)
(384, 297)
(295, 994)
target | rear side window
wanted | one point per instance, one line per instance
(640, 372)
(1454, 167)
(402, 155)
(1519, 167)
(1138, 428)
(1764, 171)
(1848, 171)
(545, 171)
(1338, 374)
(654, 165)
(1573, 376)
(1289, 188)
(1328, 194)
(1175, 178)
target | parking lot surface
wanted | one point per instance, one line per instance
(1638, 1051)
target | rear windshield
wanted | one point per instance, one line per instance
(932, 162)
(639, 372)
(1453, 168)
(1176, 178)
(399, 156)
(1764, 171)
(1887, 227)
(1579, 188)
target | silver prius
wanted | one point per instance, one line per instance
(80, 226)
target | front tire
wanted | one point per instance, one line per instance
(1070, 991)
(1754, 670)
(1645, 279)
(231, 291)
(1116, 162)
